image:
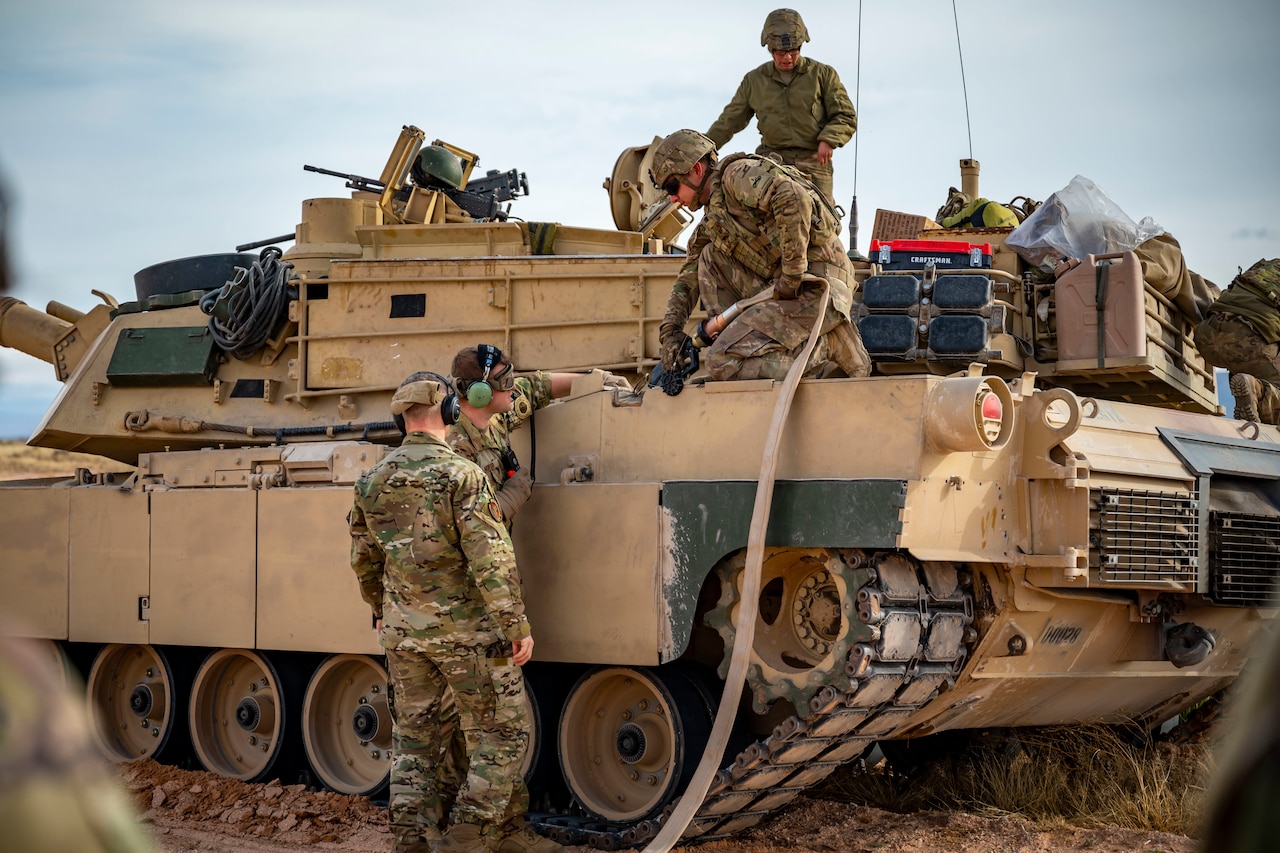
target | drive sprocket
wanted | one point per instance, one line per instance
(805, 627)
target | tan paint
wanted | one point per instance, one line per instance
(203, 584)
(33, 556)
(589, 558)
(110, 566)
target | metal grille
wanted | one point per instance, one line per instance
(1145, 537)
(1244, 559)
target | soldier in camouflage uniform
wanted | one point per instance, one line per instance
(1242, 334)
(56, 793)
(436, 566)
(802, 109)
(483, 432)
(764, 224)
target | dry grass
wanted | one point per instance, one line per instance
(1092, 776)
(18, 461)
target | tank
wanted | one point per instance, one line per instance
(979, 534)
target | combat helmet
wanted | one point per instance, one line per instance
(783, 30)
(677, 154)
(434, 165)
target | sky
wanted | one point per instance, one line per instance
(139, 131)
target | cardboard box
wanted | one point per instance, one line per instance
(892, 225)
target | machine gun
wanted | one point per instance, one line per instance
(480, 199)
(357, 182)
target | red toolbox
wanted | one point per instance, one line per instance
(944, 255)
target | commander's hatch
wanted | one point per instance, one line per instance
(637, 204)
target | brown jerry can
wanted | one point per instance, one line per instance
(959, 541)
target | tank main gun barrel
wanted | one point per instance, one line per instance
(29, 330)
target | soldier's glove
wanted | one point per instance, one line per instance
(614, 381)
(786, 287)
(671, 344)
(514, 493)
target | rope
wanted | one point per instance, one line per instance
(246, 310)
(964, 85)
(745, 627)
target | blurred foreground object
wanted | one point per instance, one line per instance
(1242, 815)
(56, 792)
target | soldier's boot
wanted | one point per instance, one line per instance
(847, 350)
(424, 840)
(464, 838)
(519, 837)
(1246, 389)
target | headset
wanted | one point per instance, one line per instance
(479, 392)
(450, 407)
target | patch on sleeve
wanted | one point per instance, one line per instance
(495, 510)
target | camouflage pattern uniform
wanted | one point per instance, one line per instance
(485, 447)
(763, 222)
(1242, 334)
(56, 793)
(435, 564)
(795, 110)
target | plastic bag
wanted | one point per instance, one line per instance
(1079, 219)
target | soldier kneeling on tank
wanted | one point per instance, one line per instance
(765, 226)
(1242, 334)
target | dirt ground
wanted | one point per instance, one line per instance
(189, 810)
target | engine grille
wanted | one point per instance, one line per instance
(1145, 537)
(1244, 559)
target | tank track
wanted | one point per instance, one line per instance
(918, 619)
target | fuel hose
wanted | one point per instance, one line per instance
(745, 624)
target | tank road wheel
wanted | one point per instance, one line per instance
(240, 712)
(136, 697)
(346, 724)
(802, 634)
(630, 740)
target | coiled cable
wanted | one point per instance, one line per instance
(246, 310)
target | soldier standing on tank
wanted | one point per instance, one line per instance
(765, 224)
(1242, 334)
(435, 564)
(802, 109)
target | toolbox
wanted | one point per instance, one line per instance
(943, 255)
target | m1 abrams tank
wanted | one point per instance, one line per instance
(989, 531)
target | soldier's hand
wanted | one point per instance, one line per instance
(515, 492)
(673, 341)
(613, 380)
(786, 287)
(824, 152)
(522, 651)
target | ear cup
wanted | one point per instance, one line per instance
(479, 394)
(450, 409)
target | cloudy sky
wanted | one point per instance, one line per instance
(139, 131)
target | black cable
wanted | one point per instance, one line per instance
(246, 310)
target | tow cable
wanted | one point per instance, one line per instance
(673, 828)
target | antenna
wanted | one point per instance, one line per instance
(854, 253)
(963, 84)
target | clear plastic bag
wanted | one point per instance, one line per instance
(1079, 219)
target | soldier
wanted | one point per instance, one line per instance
(436, 566)
(801, 107)
(56, 793)
(1242, 334)
(764, 224)
(493, 402)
